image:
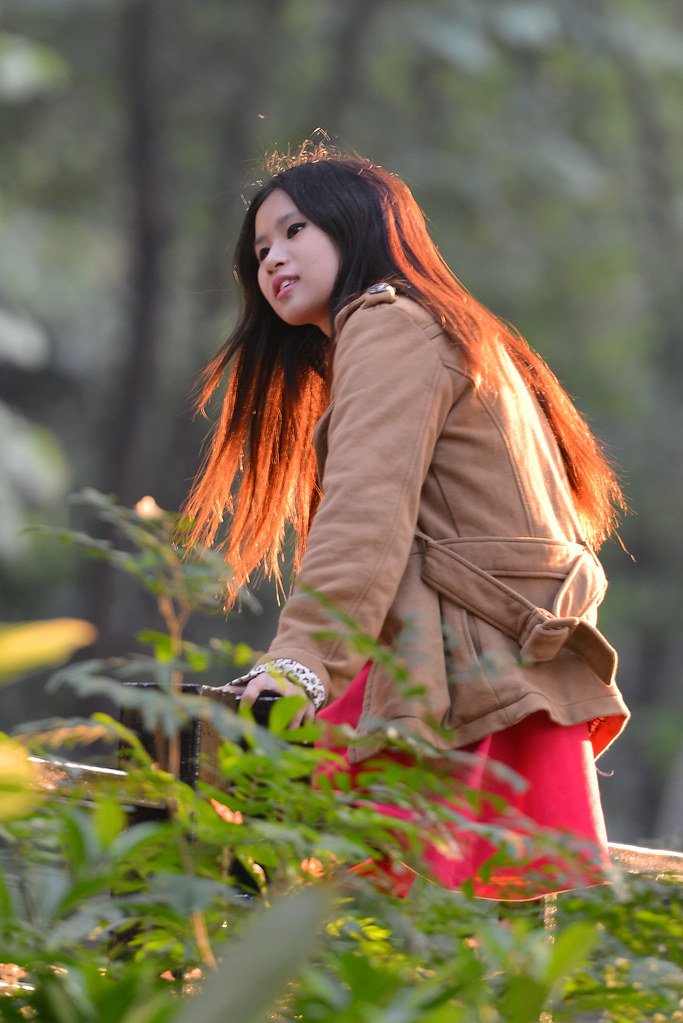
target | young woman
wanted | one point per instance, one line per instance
(442, 489)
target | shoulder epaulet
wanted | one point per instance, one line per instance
(374, 295)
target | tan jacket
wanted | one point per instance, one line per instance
(411, 448)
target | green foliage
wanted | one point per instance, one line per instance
(128, 896)
(150, 550)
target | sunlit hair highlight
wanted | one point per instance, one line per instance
(260, 466)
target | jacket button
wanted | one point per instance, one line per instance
(380, 294)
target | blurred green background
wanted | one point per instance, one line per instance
(544, 141)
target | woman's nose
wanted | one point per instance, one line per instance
(275, 258)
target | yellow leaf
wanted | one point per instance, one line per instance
(30, 645)
(19, 794)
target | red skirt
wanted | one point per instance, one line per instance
(557, 813)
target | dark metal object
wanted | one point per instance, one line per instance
(197, 738)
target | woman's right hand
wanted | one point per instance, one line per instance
(264, 682)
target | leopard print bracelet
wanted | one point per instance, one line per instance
(295, 672)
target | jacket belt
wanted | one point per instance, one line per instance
(540, 634)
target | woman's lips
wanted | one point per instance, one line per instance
(283, 286)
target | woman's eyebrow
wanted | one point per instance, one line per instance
(278, 223)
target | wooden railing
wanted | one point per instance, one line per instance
(636, 859)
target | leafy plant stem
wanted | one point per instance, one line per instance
(199, 927)
(175, 621)
(18, 867)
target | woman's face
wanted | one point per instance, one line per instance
(297, 263)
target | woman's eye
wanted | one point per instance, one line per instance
(261, 254)
(294, 229)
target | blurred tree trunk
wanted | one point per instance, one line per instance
(146, 173)
(662, 245)
(146, 177)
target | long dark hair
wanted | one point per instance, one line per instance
(277, 387)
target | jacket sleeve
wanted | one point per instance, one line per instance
(389, 399)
